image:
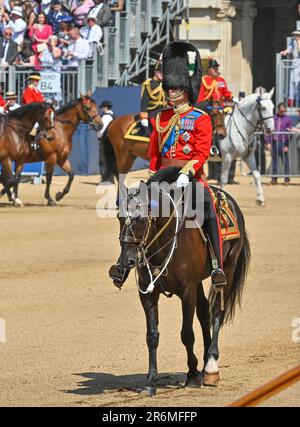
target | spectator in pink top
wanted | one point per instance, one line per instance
(39, 34)
(80, 10)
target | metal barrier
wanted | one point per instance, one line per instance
(288, 83)
(278, 154)
(63, 86)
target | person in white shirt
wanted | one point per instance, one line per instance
(92, 33)
(79, 49)
(107, 116)
(15, 22)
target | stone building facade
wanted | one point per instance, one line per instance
(243, 35)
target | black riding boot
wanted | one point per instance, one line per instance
(210, 225)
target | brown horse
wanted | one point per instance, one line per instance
(120, 152)
(57, 151)
(15, 141)
(172, 258)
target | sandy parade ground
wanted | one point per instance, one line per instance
(73, 339)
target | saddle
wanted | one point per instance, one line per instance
(137, 132)
(229, 225)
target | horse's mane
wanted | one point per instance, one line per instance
(71, 104)
(20, 112)
(168, 175)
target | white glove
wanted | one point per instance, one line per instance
(144, 122)
(182, 180)
(235, 100)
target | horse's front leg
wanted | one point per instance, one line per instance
(188, 301)
(251, 163)
(10, 181)
(150, 306)
(18, 170)
(49, 173)
(66, 167)
(226, 163)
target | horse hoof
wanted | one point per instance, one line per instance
(18, 203)
(195, 382)
(149, 391)
(261, 203)
(51, 203)
(211, 379)
(59, 196)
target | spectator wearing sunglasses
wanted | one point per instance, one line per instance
(8, 48)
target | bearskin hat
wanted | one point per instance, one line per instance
(182, 69)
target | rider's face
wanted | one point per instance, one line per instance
(177, 97)
(214, 71)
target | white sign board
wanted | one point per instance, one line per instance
(50, 83)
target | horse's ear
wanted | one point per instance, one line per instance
(89, 93)
(271, 93)
(81, 95)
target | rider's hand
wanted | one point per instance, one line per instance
(145, 123)
(182, 180)
(235, 100)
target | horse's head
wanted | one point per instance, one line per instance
(46, 117)
(265, 108)
(88, 112)
(135, 223)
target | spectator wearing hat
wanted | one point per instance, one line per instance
(8, 48)
(79, 48)
(2, 102)
(92, 32)
(293, 50)
(107, 116)
(15, 22)
(55, 15)
(11, 101)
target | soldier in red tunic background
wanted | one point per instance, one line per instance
(214, 87)
(33, 94)
(182, 135)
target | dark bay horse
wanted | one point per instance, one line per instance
(57, 150)
(174, 258)
(15, 141)
(120, 153)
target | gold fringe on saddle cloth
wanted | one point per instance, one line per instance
(133, 132)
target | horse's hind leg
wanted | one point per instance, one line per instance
(150, 306)
(188, 301)
(66, 167)
(202, 311)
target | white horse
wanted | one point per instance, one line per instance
(252, 111)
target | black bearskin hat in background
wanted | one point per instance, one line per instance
(182, 69)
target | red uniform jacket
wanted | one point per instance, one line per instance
(188, 140)
(2, 102)
(215, 88)
(32, 94)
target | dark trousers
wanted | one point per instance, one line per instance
(277, 152)
(214, 170)
(211, 226)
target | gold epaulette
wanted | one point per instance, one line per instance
(201, 111)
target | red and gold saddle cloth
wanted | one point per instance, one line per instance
(137, 132)
(229, 225)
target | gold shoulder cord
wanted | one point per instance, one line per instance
(157, 96)
(174, 121)
(212, 88)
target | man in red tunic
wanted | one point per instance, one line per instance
(182, 135)
(33, 94)
(214, 87)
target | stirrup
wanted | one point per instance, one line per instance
(218, 278)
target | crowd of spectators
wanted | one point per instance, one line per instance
(51, 34)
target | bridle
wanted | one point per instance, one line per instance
(127, 235)
(260, 123)
(90, 119)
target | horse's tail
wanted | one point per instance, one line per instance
(109, 157)
(238, 282)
